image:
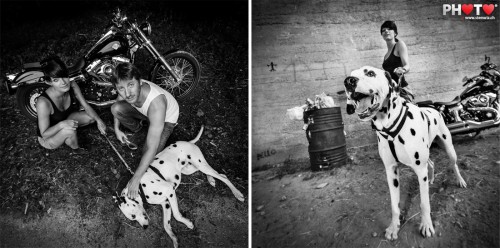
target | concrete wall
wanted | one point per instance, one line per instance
(316, 44)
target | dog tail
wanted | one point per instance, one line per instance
(197, 136)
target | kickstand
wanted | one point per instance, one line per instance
(477, 133)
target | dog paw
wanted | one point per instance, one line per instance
(189, 224)
(391, 233)
(426, 229)
(176, 244)
(211, 180)
(461, 182)
(239, 195)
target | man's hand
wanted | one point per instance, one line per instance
(120, 135)
(133, 187)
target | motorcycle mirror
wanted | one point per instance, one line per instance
(465, 79)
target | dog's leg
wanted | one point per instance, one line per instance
(175, 210)
(205, 168)
(444, 140)
(392, 172)
(167, 214)
(426, 227)
(430, 166)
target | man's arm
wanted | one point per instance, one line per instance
(156, 116)
(116, 125)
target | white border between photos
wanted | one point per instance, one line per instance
(249, 123)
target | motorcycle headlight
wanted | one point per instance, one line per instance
(146, 28)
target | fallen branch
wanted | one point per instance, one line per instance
(408, 220)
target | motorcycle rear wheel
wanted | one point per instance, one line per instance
(27, 96)
(188, 69)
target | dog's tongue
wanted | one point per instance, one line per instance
(364, 104)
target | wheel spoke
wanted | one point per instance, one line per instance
(184, 70)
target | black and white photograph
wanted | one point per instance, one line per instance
(375, 123)
(249, 123)
(124, 123)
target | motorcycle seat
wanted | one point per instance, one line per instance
(452, 102)
(75, 69)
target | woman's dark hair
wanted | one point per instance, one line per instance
(125, 71)
(54, 67)
(390, 25)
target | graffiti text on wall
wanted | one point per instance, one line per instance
(265, 154)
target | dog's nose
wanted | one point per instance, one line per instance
(350, 109)
(350, 83)
(145, 227)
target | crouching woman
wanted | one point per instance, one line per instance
(58, 109)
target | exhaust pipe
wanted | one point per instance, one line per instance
(470, 126)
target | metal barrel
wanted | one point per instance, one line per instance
(325, 133)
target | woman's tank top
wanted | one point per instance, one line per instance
(392, 62)
(59, 115)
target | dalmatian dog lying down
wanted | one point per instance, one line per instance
(404, 132)
(162, 178)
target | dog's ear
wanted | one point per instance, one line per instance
(392, 84)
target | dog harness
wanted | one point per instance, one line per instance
(155, 170)
(394, 129)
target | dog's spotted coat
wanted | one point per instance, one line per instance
(162, 178)
(401, 137)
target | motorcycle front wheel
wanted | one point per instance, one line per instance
(26, 99)
(186, 67)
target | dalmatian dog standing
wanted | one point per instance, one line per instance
(404, 132)
(162, 178)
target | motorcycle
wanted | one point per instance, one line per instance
(477, 107)
(176, 71)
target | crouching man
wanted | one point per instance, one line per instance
(138, 101)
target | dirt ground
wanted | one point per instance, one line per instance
(353, 209)
(53, 198)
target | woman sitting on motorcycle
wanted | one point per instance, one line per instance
(58, 109)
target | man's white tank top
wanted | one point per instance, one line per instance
(172, 107)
